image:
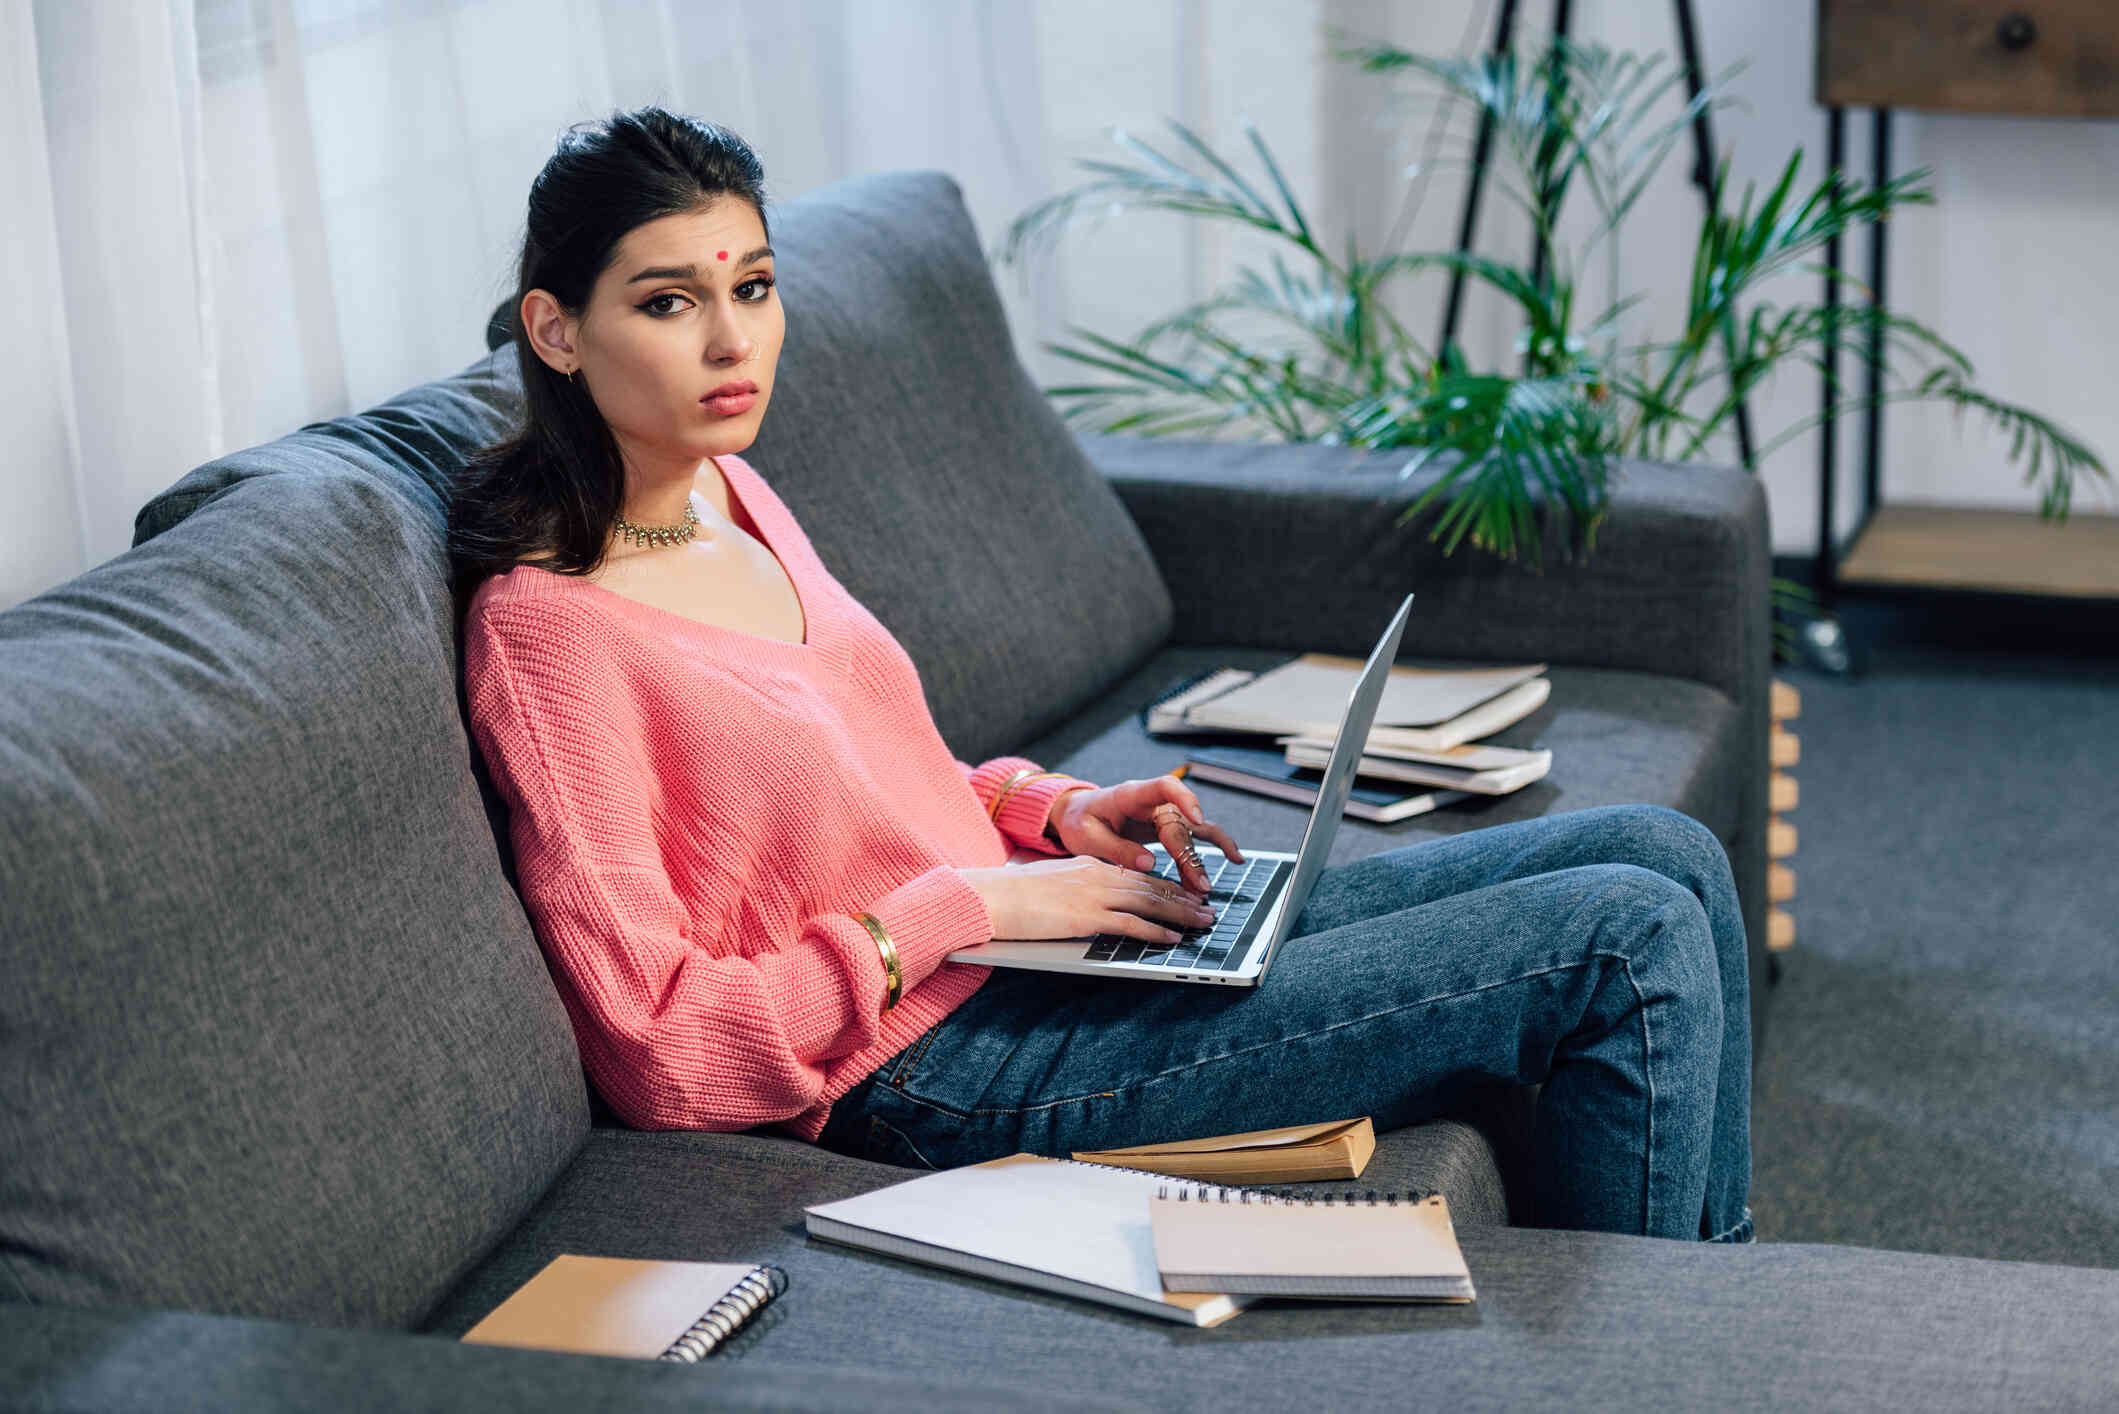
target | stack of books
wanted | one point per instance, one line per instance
(1427, 733)
(1118, 1227)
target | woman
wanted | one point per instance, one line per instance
(746, 850)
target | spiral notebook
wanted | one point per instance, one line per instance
(1054, 1224)
(647, 1310)
(1347, 1246)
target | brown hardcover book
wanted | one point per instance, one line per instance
(1301, 1153)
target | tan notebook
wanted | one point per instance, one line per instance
(648, 1310)
(1338, 1148)
(1242, 1241)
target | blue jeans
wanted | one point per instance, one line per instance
(1599, 952)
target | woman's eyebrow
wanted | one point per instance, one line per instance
(688, 272)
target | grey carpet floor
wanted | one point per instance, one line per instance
(1941, 1067)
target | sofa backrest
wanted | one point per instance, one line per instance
(277, 1038)
(931, 474)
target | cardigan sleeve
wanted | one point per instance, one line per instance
(1028, 809)
(674, 1032)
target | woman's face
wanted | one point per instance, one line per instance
(686, 307)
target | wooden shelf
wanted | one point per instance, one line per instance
(2018, 552)
(2049, 58)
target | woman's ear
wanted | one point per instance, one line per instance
(550, 332)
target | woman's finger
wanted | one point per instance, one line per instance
(1113, 848)
(1176, 835)
(1219, 838)
(1178, 910)
(1180, 795)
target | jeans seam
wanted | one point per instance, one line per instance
(913, 1054)
(1267, 1045)
(1648, 1079)
(1733, 1228)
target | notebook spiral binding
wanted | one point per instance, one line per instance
(726, 1316)
(1267, 1197)
(1291, 1197)
(1184, 685)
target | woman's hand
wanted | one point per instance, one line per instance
(1078, 897)
(1111, 822)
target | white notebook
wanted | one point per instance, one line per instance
(1236, 1239)
(1054, 1224)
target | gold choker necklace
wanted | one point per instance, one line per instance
(661, 534)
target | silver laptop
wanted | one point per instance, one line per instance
(1255, 902)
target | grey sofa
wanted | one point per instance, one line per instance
(290, 1102)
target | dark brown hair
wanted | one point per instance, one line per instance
(548, 494)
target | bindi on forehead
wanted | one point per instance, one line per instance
(720, 255)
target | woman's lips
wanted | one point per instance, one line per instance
(730, 404)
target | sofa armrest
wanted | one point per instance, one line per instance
(1295, 546)
(78, 1358)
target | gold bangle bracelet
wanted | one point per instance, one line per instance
(1023, 777)
(892, 973)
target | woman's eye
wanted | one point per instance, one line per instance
(764, 282)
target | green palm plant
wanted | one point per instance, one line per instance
(1514, 451)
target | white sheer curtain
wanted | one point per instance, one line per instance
(235, 217)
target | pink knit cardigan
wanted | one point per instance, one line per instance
(694, 810)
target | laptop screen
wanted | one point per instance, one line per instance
(1339, 771)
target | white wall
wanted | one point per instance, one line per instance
(357, 243)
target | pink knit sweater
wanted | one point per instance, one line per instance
(695, 809)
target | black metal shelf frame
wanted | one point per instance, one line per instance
(1830, 549)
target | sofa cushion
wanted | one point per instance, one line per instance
(1563, 1319)
(633, 1193)
(1616, 738)
(277, 1038)
(934, 479)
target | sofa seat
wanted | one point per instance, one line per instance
(1563, 1319)
(1617, 737)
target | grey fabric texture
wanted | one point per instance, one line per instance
(1302, 551)
(1299, 548)
(1563, 1319)
(73, 1360)
(1616, 737)
(934, 479)
(277, 1038)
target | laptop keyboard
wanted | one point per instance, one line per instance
(1233, 891)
